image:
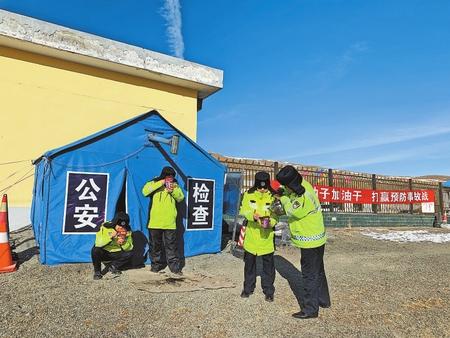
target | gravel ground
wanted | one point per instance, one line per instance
(378, 289)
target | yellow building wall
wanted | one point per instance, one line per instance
(46, 103)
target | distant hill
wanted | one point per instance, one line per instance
(441, 178)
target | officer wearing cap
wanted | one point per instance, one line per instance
(113, 243)
(305, 219)
(259, 236)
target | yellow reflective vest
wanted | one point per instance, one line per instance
(103, 240)
(305, 218)
(258, 240)
(163, 214)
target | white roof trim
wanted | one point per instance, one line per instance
(25, 33)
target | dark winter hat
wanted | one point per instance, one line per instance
(122, 219)
(262, 180)
(167, 171)
(290, 177)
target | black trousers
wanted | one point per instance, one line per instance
(164, 250)
(267, 276)
(118, 259)
(314, 280)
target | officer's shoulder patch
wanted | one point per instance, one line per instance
(296, 204)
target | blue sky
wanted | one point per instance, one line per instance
(358, 85)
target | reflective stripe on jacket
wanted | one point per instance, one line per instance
(258, 241)
(163, 214)
(305, 218)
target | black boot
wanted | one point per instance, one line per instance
(302, 315)
(245, 294)
(269, 298)
(97, 275)
(114, 270)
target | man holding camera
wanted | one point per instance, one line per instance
(165, 194)
(302, 206)
(113, 243)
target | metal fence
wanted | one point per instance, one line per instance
(341, 179)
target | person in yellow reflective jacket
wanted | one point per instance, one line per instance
(259, 236)
(113, 243)
(165, 194)
(305, 219)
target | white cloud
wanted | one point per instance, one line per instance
(425, 152)
(389, 136)
(171, 11)
(342, 64)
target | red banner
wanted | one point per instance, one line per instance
(367, 196)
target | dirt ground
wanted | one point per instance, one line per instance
(378, 289)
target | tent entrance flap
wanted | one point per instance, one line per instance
(122, 204)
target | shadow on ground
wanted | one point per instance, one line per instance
(288, 271)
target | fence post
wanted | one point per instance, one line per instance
(331, 183)
(411, 206)
(275, 169)
(374, 187)
(441, 201)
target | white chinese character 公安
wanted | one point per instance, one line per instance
(200, 213)
(201, 194)
(86, 216)
(83, 195)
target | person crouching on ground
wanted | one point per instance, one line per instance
(259, 236)
(305, 219)
(113, 243)
(165, 194)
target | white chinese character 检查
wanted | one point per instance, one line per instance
(201, 194)
(200, 213)
(83, 195)
(86, 216)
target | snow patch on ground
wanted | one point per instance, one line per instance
(409, 236)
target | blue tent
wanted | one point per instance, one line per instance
(446, 184)
(79, 186)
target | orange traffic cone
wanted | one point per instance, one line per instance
(6, 262)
